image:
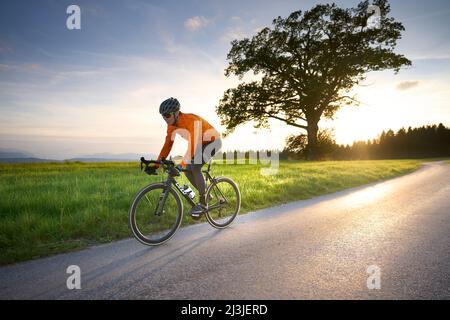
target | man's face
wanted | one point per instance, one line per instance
(170, 118)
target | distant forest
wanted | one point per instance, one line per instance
(423, 142)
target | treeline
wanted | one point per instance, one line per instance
(422, 142)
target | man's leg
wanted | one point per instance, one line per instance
(195, 174)
(190, 177)
(197, 179)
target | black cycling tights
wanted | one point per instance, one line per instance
(196, 178)
(194, 173)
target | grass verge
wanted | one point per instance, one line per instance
(57, 207)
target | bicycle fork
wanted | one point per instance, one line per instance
(162, 200)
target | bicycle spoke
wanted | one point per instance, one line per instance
(223, 211)
(154, 228)
(216, 188)
(148, 200)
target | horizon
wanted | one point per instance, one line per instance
(135, 156)
(66, 93)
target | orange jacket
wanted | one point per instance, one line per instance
(192, 128)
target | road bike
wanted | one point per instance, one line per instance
(156, 211)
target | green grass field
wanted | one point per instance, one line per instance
(56, 207)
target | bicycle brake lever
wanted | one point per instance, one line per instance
(150, 171)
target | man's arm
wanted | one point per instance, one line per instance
(194, 141)
(167, 147)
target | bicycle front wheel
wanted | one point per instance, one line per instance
(223, 202)
(155, 214)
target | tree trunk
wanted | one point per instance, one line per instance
(313, 129)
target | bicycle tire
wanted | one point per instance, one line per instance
(137, 232)
(209, 213)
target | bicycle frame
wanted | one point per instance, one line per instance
(151, 230)
(212, 179)
(172, 181)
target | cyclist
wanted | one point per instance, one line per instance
(204, 141)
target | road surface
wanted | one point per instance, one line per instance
(322, 248)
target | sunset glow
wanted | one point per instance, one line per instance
(66, 93)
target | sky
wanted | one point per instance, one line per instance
(67, 93)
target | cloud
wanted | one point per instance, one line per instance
(33, 66)
(236, 33)
(406, 85)
(4, 48)
(431, 57)
(239, 29)
(196, 23)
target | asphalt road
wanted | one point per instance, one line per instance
(314, 249)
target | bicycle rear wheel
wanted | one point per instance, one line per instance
(154, 216)
(223, 202)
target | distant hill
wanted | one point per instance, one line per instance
(8, 153)
(111, 157)
(26, 160)
(20, 156)
(100, 160)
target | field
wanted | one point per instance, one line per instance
(50, 208)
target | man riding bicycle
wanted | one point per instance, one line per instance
(204, 142)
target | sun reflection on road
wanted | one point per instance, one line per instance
(367, 195)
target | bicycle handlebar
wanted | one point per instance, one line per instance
(169, 164)
(162, 161)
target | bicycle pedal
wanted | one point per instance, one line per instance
(198, 215)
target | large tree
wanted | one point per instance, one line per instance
(307, 64)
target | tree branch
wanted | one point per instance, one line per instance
(287, 121)
(346, 97)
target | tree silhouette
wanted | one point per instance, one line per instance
(423, 142)
(297, 146)
(308, 62)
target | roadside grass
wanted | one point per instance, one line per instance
(50, 208)
(435, 159)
